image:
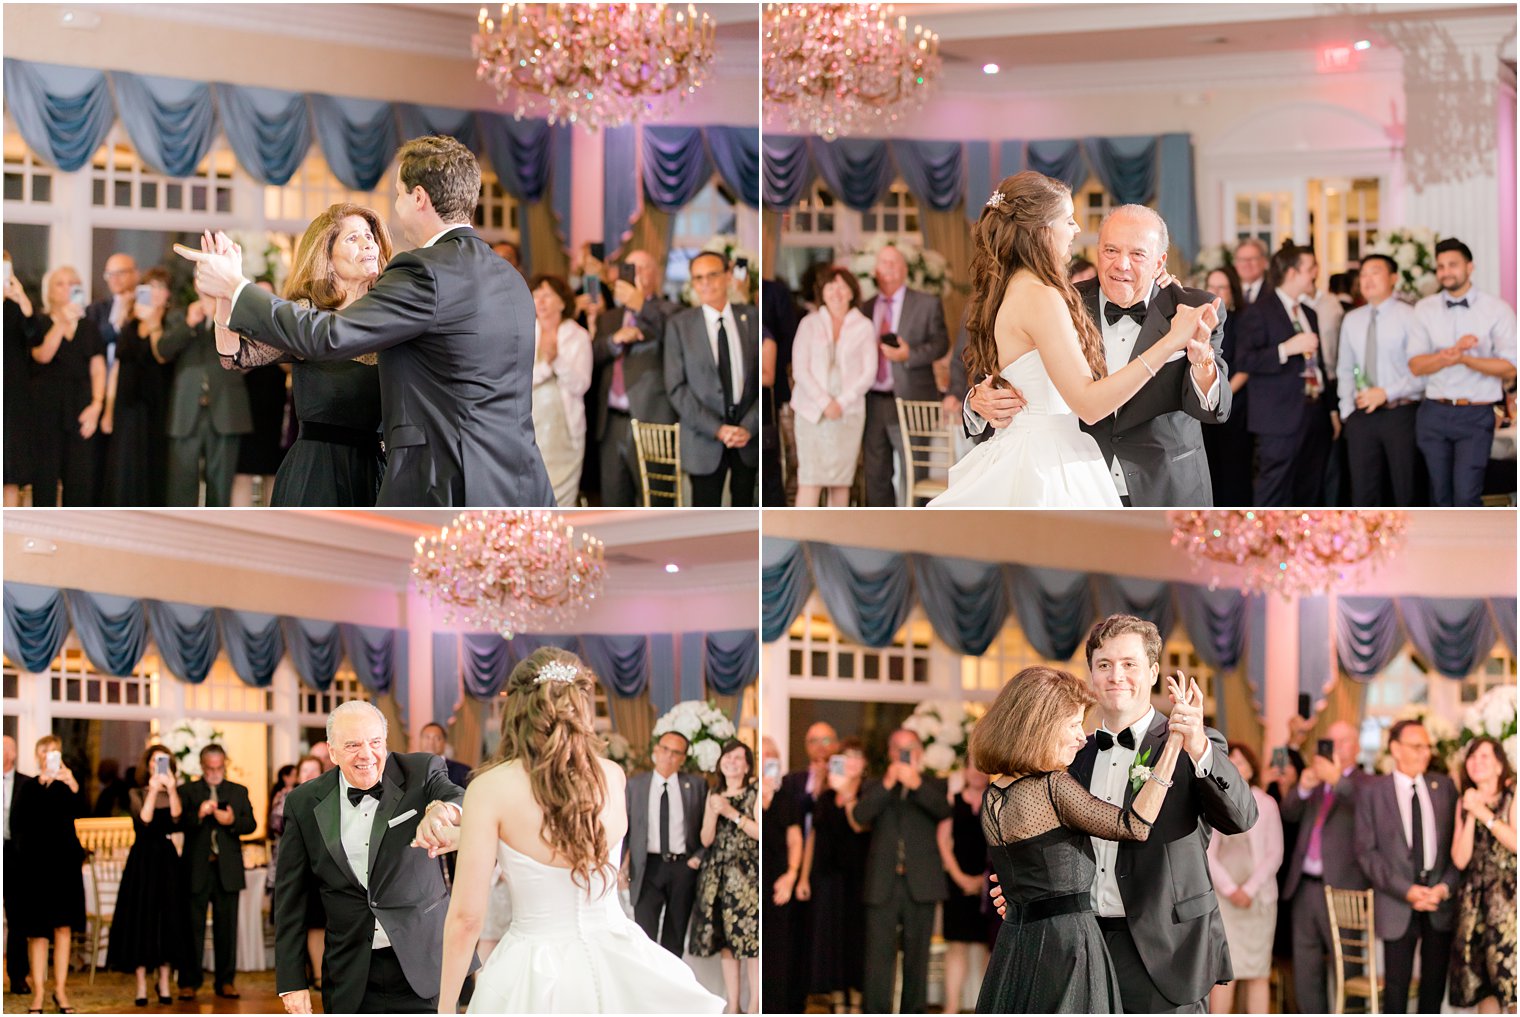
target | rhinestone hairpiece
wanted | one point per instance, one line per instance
(997, 199)
(556, 671)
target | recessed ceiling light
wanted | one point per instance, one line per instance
(672, 567)
(989, 68)
(1361, 44)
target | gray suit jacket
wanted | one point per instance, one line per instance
(1388, 860)
(637, 846)
(691, 379)
(1337, 847)
(643, 364)
(198, 374)
(922, 326)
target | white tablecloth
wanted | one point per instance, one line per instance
(250, 926)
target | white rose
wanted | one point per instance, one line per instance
(939, 758)
(1497, 715)
(929, 729)
(1405, 255)
(721, 729)
(707, 752)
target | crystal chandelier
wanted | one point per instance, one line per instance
(510, 570)
(596, 64)
(839, 68)
(1289, 553)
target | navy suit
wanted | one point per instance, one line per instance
(1292, 431)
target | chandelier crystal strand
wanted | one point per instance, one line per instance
(837, 69)
(1288, 553)
(594, 64)
(510, 571)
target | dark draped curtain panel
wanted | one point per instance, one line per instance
(1504, 618)
(621, 662)
(735, 153)
(787, 169)
(485, 664)
(445, 675)
(1314, 645)
(416, 121)
(785, 584)
(1452, 634)
(857, 170)
(1054, 608)
(966, 601)
(978, 178)
(269, 131)
(64, 113)
(732, 660)
(1062, 160)
(676, 166)
(358, 138)
(378, 656)
(1367, 635)
(1150, 599)
(868, 592)
(113, 630)
(186, 637)
(36, 623)
(315, 648)
(1175, 197)
(254, 644)
(1215, 621)
(620, 185)
(933, 170)
(1125, 166)
(171, 122)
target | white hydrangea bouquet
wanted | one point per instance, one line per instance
(928, 271)
(704, 727)
(1209, 258)
(1493, 715)
(1443, 738)
(944, 727)
(621, 752)
(1413, 249)
(186, 741)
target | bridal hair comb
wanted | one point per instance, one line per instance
(997, 199)
(557, 671)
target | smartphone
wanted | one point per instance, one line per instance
(1305, 705)
(143, 295)
(599, 251)
(890, 339)
(1326, 748)
(741, 269)
(54, 762)
(1279, 758)
(161, 765)
(772, 769)
(594, 286)
(836, 766)
(77, 297)
(905, 756)
(625, 273)
(7, 275)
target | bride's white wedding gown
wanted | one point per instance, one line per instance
(568, 951)
(1043, 459)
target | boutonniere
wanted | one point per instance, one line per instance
(1140, 771)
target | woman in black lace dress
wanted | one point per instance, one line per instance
(1039, 820)
(1483, 961)
(833, 878)
(148, 931)
(336, 458)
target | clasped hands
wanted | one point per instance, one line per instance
(1427, 898)
(438, 829)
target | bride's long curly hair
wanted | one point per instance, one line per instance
(1014, 234)
(547, 726)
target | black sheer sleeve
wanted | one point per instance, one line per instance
(1078, 809)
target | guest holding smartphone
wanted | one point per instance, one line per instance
(833, 878)
(148, 928)
(68, 394)
(51, 904)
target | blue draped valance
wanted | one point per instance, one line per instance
(787, 583)
(115, 631)
(732, 660)
(859, 170)
(679, 161)
(1450, 634)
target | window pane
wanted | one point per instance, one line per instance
(148, 194)
(122, 194)
(198, 198)
(224, 199)
(174, 196)
(15, 185)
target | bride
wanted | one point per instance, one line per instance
(551, 811)
(1028, 329)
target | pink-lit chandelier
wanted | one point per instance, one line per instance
(594, 64)
(510, 571)
(1288, 553)
(833, 69)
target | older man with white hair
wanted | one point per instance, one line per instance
(366, 836)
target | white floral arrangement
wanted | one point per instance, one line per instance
(1209, 258)
(944, 728)
(186, 741)
(1413, 249)
(705, 728)
(267, 257)
(621, 752)
(1494, 715)
(727, 244)
(1443, 738)
(928, 271)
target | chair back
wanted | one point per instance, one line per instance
(659, 451)
(1353, 943)
(927, 447)
(109, 836)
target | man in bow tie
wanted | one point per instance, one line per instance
(1155, 900)
(1466, 357)
(357, 835)
(1154, 442)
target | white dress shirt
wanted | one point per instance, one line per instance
(1118, 349)
(356, 823)
(1488, 318)
(735, 347)
(677, 813)
(10, 789)
(1398, 329)
(1110, 778)
(1402, 786)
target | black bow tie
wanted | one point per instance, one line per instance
(1457, 303)
(1112, 312)
(355, 796)
(1106, 741)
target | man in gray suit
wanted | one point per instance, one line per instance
(663, 849)
(913, 325)
(629, 354)
(712, 372)
(1324, 807)
(208, 410)
(1404, 824)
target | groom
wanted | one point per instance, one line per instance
(1153, 443)
(453, 324)
(1155, 900)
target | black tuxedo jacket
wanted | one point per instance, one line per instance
(921, 326)
(1277, 389)
(453, 324)
(1164, 880)
(406, 892)
(911, 817)
(643, 364)
(227, 867)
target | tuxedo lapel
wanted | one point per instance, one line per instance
(390, 798)
(1090, 301)
(329, 815)
(1152, 742)
(1082, 766)
(1158, 318)
(750, 350)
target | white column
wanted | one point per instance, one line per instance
(1280, 697)
(775, 704)
(285, 730)
(419, 634)
(586, 188)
